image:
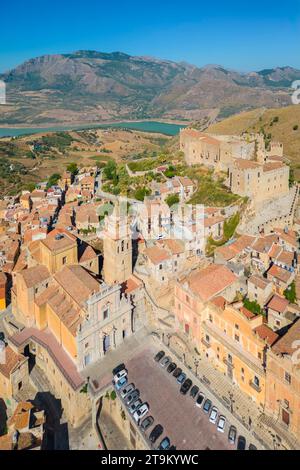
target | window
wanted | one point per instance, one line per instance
(256, 381)
(237, 338)
(207, 338)
(64, 260)
(211, 318)
(288, 378)
(105, 314)
(259, 355)
(236, 327)
(187, 299)
(160, 266)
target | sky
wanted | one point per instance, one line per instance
(242, 35)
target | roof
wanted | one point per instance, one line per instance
(279, 273)
(242, 164)
(77, 282)
(175, 246)
(271, 166)
(211, 281)
(35, 275)
(286, 257)
(131, 284)
(266, 334)
(211, 221)
(12, 361)
(247, 313)
(58, 240)
(219, 302)
(87, 253)
(286, 344)
(259, 281)
(21, 416)
(156, 255)
(277, 303)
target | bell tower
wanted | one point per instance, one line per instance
(117, 246)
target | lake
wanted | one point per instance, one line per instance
(145, 126)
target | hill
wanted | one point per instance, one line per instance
(91, 86)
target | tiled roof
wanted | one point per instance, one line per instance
(35, 275)
(157, 255)
(266, 334)
(277, 303)
(279, 273)
(77, 283)
(286, 344)
(211, 281)
(12, 360)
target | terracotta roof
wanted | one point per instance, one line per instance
(219, 302)
(21, 416)
(279, 273)
(131, 284)
(12, 361)
(259, 281)
(77, 282)
(247, 313)
(266, 334)
(87, 253)
(157, 255)
(175, 246)
(271, 166)
(59, 240)
(277, 303)
(35, 275)
(286, 257)
(242, 164)
(211, 221)
(287, 343)
(211, 281)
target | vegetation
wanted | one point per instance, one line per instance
(59, 140)
(253, 307)
(230, 227)
(113, 395)
(73, 168)
(212, 192)
(172, 200)
(53, 180)
(290, 293)
(141, 193)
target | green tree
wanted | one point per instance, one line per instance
(253, 307)
(290, 293)
(140, 193)
(54, 178)
(110, 170)
(172, 200)
(72, 168)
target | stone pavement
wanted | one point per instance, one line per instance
(113, 437)
(247, 412)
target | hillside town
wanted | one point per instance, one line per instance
(190, 305)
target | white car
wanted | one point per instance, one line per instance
(221, 424)
(213, 415)
(120, 375)
(141, 412)
(135, 406)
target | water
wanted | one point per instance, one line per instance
(146, 126)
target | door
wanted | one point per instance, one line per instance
(106, 344)
(285, 417)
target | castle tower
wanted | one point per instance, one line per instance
(117, 246)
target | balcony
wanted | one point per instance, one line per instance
(255, 387)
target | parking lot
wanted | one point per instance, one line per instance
(186, 425)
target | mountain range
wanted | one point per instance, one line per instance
(91, 86)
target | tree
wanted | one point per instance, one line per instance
(290, 293)
(52, 181)
(140, 193)
(172, 200)
(296, 127)
(110, 170)
(253, 307)
(72, 168)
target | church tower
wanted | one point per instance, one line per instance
(117, 247)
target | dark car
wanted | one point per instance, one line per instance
(171, 367)
(177, 372)
(159, 356)
(252, 447)
(186, 386)
(241, 444)
(119, 368)
(165, 444)
(207, 406)
(132, 397)
(156, 433)
(194, 391)
(146, 423)
(172, 447)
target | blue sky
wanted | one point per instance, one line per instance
(243, 35)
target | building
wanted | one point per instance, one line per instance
(281, 313)
(14, 374)
(214, 151)
(259, 181)
(260, 290)
(117, 246)
(283, 381)
(3, 291)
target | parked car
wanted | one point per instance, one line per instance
(232, 435)
(252, 447)
(135, 406)
(186, 386)
(221, 424)
(121, 383)
(141, 412)
(165, 362)
(241, 444)
(172, 447)
(125, 391)
(177, 372)
(146, 423)
(156, 433)
(165, 444)
(213, 415)
(194, 391)
(181, 378)
(132, 396)
(207, 406)
(119, 368)
(159, 356)
(171, 367)
(120, 375)
(200, 400)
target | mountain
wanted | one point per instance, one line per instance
(87, 86)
